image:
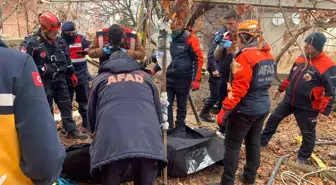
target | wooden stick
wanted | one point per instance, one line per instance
(193, 107)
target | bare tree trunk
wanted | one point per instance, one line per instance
(18, 22)
(3, 19)
(26, 16)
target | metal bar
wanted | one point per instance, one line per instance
(275, 170)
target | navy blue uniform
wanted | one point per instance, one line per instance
(126, 124)
(185, 67)
(309, 91)
(53, 64)
(80, 64)
(212, 65)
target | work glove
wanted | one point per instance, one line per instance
(225, 44)
(74, 80)
(216, 38)
(153, 72)
(195, 85)
(107, 49)
(123, 50)
(221, 117)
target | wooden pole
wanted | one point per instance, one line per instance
(162, 47)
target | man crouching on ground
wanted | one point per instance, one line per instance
(124, 116)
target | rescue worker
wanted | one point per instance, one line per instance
(222, 61)
(224, 56)
(125, 125)
(100, 46)
(310, 92)
(183, 73)
(247, 104)
(78, 48)
(212, 67)
(219, 69)
(30, 149)
(50, 54)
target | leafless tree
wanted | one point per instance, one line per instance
(121, 12)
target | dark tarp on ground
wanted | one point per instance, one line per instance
(189, 151)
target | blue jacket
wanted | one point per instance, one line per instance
(124, 113)
(187, 58)
(30, 149)
(223, 64)
(212, 63)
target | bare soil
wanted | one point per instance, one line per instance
(284, 142)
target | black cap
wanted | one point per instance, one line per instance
(316, 39)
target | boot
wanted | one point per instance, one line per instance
(242, 178)
(63, 131)
(76, 134)
(205, 115)
(301, 161)
(215, 109)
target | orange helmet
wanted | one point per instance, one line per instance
(50, 21)
(250, 27)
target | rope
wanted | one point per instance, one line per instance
(299, 180)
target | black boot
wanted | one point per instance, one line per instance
(76, 134)
(245, 181)
(215, 109)
(205, 115)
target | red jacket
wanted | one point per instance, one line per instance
(312, 88)
(253, 72)
(132, 38)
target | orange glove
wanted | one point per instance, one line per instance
(223, 114)
(195, 85)
(74, 80)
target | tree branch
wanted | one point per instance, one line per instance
(9, 15)
(283, 14)
(288, 45)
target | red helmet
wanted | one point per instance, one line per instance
(50, 21)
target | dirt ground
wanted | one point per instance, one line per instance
(284, 142)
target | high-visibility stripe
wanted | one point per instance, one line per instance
(132, 44)
(101, 41)
(78, 60)
(78, 45)
(7, 99)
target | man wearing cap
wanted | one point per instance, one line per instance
(78, 47)
(51, 57)
(310, 92)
